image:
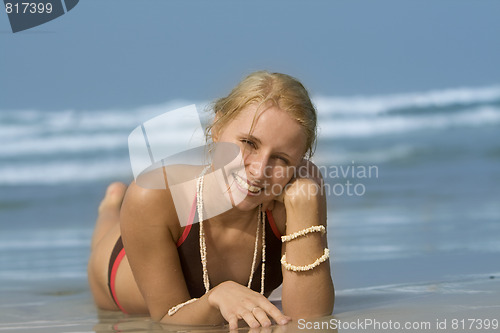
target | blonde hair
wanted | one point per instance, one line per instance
(262, 87)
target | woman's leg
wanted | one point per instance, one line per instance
(106, 233)
(109, 212)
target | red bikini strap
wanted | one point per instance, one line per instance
(187, 229)
(270, 218)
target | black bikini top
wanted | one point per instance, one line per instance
(188, 247)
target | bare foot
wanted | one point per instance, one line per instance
(113, 197)
(109, 212)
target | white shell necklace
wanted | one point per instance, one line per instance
(203, 246)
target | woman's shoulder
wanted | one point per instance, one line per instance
(151, 207)
(146, 198)
(149, 199)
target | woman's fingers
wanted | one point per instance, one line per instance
(257, 317)
(275, 313)
(261, 316)
(249, 318)
(232, 319)
(235, 302)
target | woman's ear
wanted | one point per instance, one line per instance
(215, 136)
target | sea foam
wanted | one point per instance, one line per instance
(80, 145)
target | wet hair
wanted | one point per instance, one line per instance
(268, 89)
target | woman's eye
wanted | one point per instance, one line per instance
(283, 160)
(248, 142)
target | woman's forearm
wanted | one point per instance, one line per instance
(200, 312)
(309, 293)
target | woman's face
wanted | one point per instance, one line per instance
(272, 145)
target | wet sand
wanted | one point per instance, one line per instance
(463, 304)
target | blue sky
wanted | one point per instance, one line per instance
(124, 54)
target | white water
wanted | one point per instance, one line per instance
(77, 145)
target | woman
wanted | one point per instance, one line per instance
(199, 273)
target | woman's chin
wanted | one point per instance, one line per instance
(247, 205)
(250, 203)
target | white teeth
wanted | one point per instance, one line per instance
(245, 185)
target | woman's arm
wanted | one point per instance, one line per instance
(310, 293)
(149, 227)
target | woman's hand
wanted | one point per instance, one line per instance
(235, 302)
(307, 180)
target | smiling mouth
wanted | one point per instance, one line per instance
(244, 185)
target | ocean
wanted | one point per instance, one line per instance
(412, 183)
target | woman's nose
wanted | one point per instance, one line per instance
(258, 167)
